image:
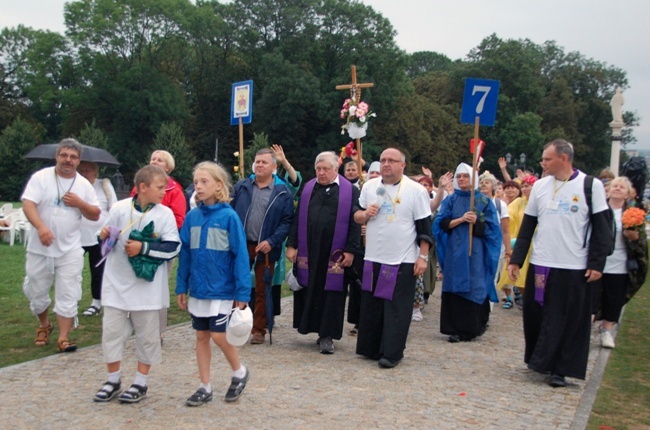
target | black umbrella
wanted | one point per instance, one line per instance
(47, 152)
(270, 315)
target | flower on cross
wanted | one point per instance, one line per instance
(354, 112)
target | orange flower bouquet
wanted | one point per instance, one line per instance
(633, 218)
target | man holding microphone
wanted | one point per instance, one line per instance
(398, 237)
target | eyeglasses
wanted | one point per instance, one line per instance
(70, 156)
(389, 161)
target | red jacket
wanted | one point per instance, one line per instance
(174, 199)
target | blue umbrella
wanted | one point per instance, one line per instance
(268, 290)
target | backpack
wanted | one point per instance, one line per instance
(589, 181)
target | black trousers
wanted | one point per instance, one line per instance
(96, 273)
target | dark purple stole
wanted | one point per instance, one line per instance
(386, 281)
(334, 278)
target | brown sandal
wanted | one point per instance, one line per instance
(43, 335)
(66, 346)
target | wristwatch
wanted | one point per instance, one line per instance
(424, 257)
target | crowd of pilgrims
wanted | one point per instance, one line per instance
(325, 233)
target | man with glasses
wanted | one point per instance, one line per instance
(54, 202)
(398, 236)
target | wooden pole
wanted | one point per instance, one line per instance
(473, 179)
(241, 148)
(355, 95)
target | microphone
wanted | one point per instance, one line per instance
(379, 200)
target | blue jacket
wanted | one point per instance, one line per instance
(213, 261)
(278, 216)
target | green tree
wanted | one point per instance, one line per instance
(16, 141)
(91, 135)
(34, 73)
(171, 138)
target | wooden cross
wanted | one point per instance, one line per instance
(355, 96)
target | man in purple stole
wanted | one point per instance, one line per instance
(322, 242)
(398, 235)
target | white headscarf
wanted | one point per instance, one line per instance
(464, 168)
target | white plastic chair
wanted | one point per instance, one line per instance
(23, 226)
(5, 209)
(13, 219)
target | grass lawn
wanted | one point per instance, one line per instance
(18, 325)
(623, 400)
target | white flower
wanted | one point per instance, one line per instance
(353, 109)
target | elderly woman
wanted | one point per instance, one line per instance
(516, 210)
(468, 282)
(627, 266)
(106, 198)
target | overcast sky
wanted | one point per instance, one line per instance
(613, 32)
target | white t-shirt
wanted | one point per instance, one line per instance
(563, 218)
(90, 229)
(121, 289)
(47, 190)
(390, 236)
(617, 262)
(502, 214)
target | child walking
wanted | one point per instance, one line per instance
(213, 270)
(131, 302)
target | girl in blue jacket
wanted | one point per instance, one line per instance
(213, 270)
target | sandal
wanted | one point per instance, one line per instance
(43, 335)
(91, 311)
(507, 305)
(107, 392)
(134, 394)
(65, 345)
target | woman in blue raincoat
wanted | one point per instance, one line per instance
(468, 281)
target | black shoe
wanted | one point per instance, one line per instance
(454, 338)
(387, 363)
(326, 346)
(200, 397)
(236, 388)
(557, 381)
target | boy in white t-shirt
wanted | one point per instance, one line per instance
(131, 302)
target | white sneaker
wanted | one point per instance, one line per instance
(606, 339)
(417, 315)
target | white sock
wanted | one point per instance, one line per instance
(207, 387)
(239, 373)
(114, 377)
(140, 379)
(96, 303)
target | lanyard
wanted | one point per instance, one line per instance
(131, 222)
(58, 189)
(397, 199)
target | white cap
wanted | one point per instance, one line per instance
(374, 167)
(292, 282)
(239, 326)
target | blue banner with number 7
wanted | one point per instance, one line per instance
(480, 100)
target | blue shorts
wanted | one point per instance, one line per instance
(216, 324)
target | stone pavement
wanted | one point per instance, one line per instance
(482, 384)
